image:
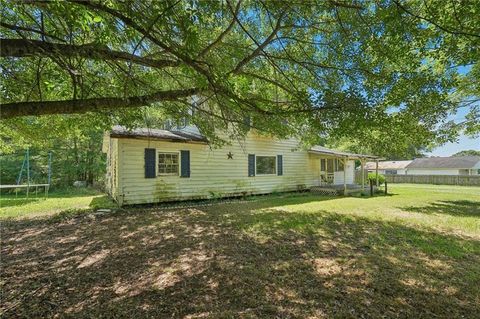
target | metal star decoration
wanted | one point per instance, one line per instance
(229, 155)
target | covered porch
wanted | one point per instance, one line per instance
(336, 171)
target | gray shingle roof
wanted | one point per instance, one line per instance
(463, 162)
(388, 165)
(156, 134)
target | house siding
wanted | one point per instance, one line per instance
(111, 178)
(350, 174)
(212, 174)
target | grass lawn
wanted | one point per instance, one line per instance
(12, 206)
(413, 254)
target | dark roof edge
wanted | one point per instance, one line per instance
(158, 138)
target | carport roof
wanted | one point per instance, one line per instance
(317, 149)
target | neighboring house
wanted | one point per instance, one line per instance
(388, 167)
(463, 165)
(152, 165)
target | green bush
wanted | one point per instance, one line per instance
(372, 177)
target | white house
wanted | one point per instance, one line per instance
(464, 165)
(388, 167)
(152, 165)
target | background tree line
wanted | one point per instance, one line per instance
(76, 155)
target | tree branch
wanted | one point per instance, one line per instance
(11, 110)
(24, 47)
(409, 12)
(25, 29)
(260, 46)
(224, 33)
(134, 25)
(345, 5)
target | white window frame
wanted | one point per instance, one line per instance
(179, 163)
(275, 161)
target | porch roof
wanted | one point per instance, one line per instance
(320, 150)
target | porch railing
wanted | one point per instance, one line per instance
(327, 178)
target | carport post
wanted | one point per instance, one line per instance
(362, 164)
(345, 176)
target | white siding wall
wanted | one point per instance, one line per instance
(212, 174)
(110, 147)
(433, 171)
(350, 173)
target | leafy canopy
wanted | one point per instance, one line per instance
(378, 72)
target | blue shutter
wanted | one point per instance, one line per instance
(251, 165)
(185, 163)
(149, 157)
(279, 165)
(247, 122)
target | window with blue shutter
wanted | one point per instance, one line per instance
(184, 163)
(149, 162)
(251, 165)
(279, 165)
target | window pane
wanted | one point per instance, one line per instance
(167, 163)
(323, 165)
(266, 164)
(330, 164)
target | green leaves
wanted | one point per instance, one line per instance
(260, 59)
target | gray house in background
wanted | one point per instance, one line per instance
(464, 165)
(389, 167)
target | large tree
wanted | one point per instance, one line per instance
(313, 68)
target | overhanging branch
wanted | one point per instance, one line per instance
(24, 47)
(11, 110)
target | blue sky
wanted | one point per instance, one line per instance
(464, 142)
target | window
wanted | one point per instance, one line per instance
(323, 165)
(168, 164)
(390, 171)
(182, 123)
(339, 165)
(266, 165)
(167, 125)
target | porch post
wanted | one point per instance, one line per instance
(376, 172)
(345, 176)
(362, 164)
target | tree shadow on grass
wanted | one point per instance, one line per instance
(250, 260)
(12, 202)
(464, 208)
